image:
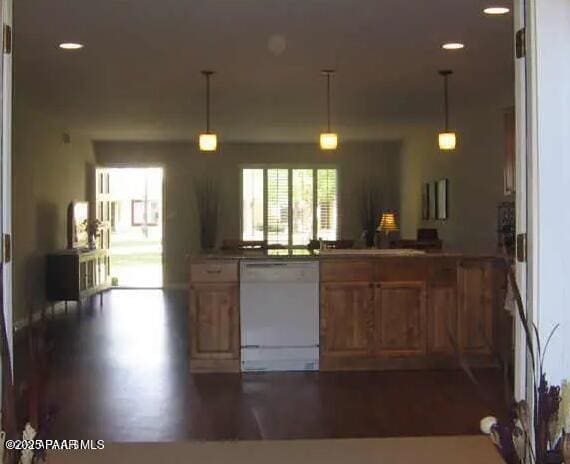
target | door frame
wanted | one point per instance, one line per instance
(162, 167)
(528, 187)
(524, 208)
(6, 20)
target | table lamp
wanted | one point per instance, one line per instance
(387, 225)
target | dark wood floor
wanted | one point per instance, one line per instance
(120, 374)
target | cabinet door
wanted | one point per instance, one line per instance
(442, 319)
(400, 318)
(475, 288)
(346, 319)
(214, 321)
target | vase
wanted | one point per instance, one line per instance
(370, 237)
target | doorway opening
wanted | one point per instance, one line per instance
(130, 206)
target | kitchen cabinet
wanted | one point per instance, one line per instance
(376, 313)
(400, 318)
(418, 313)
(214, 318)
(346, 319)
(442, 330)
(475, 308)
(442, 319)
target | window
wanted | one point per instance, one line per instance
(289, 206)
(144, 217)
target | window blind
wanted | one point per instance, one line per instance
(327, 204)
(289, 206)
(302, 206)
(278, 206)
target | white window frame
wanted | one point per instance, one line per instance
(290, 168)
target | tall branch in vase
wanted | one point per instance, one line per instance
(370, 210)
(534, 431)
(208, 207)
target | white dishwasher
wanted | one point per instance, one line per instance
(279, 315)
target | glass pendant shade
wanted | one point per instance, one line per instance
(329, 141)
(447, 141)
(208, 142)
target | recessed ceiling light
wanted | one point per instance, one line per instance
(496, 10)
(453, 46)
(70, 46)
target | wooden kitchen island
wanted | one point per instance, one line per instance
(376, 311)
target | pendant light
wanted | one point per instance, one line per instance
(328, 139)
(448, 138)
(208, 141)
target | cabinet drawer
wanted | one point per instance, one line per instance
(214, 271)
(392, 269)
(346, 271)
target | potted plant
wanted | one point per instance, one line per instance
(208, 206)
(94, 228)
(535, 433)
(370, 211)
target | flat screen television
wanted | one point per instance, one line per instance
(77, 221)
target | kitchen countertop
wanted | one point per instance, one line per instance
(348, 254)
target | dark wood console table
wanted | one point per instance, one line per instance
(72, 275)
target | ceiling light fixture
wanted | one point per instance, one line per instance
(447, 139)
(453, 46)
(328, 139)
(208, 141)
(496, 10)
(70, 46)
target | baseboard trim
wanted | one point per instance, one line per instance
(177, 286)
(59, 307)
(38, 315)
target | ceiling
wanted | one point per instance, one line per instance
(138, 76)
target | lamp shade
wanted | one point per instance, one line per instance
(208, 142)
(388, 223)
(447, 141)
(329, 141)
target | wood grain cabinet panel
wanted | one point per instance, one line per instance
(442, 319)
(475, 294)
(344, 271)
(346, 319)
(400, 318)
(214, 321)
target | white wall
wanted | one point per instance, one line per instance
(475, 173)
(551, 67)
(48, 174)
(358, 162)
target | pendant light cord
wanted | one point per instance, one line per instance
(207, 75)
(446, 98)
(328, 102)
(327, 73)
(208, 103)
(446, 75)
